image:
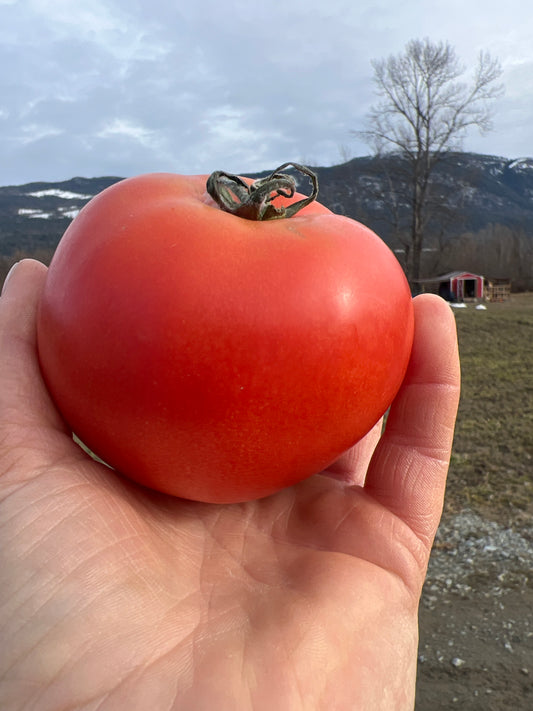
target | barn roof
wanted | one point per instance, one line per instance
(450, 276)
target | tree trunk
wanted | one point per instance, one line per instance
(417, 233)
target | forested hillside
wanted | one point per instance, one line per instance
(480, 214)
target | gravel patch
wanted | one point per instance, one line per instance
(472, 555)
(476, 617)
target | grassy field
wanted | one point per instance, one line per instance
(492, 462)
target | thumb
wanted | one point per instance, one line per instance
(409, 468)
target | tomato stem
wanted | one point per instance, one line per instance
(254, 202)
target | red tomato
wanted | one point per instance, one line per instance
(218, 358)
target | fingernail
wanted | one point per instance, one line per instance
(9, 275)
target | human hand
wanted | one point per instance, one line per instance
(116, 597)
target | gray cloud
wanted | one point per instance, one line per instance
(119, 88)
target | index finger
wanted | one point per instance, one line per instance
(24, 400)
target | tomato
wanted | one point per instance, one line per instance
(214, 357)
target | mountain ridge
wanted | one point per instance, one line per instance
(469, 191)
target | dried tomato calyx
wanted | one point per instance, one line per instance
(255, 201)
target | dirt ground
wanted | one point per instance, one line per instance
(476, 617)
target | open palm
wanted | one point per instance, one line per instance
(116, 597)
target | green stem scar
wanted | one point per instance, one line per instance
(255, 201)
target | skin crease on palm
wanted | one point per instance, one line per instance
(116, 597)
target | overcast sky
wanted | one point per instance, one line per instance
(121, 87)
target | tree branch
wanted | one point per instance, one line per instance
(425, 110)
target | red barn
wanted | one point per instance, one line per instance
(466, 285)
(458, 286)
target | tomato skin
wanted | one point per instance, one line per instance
(216, 358)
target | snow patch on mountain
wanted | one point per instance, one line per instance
(521, 164)
(64, 194)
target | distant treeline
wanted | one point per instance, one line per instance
(495, 252)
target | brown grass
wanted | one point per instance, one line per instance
(492, 460)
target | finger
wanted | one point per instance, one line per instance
(408, 471)
(352, 465)
(24, 400)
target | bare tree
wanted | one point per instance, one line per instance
(424, 113)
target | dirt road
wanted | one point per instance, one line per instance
(476, 618)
